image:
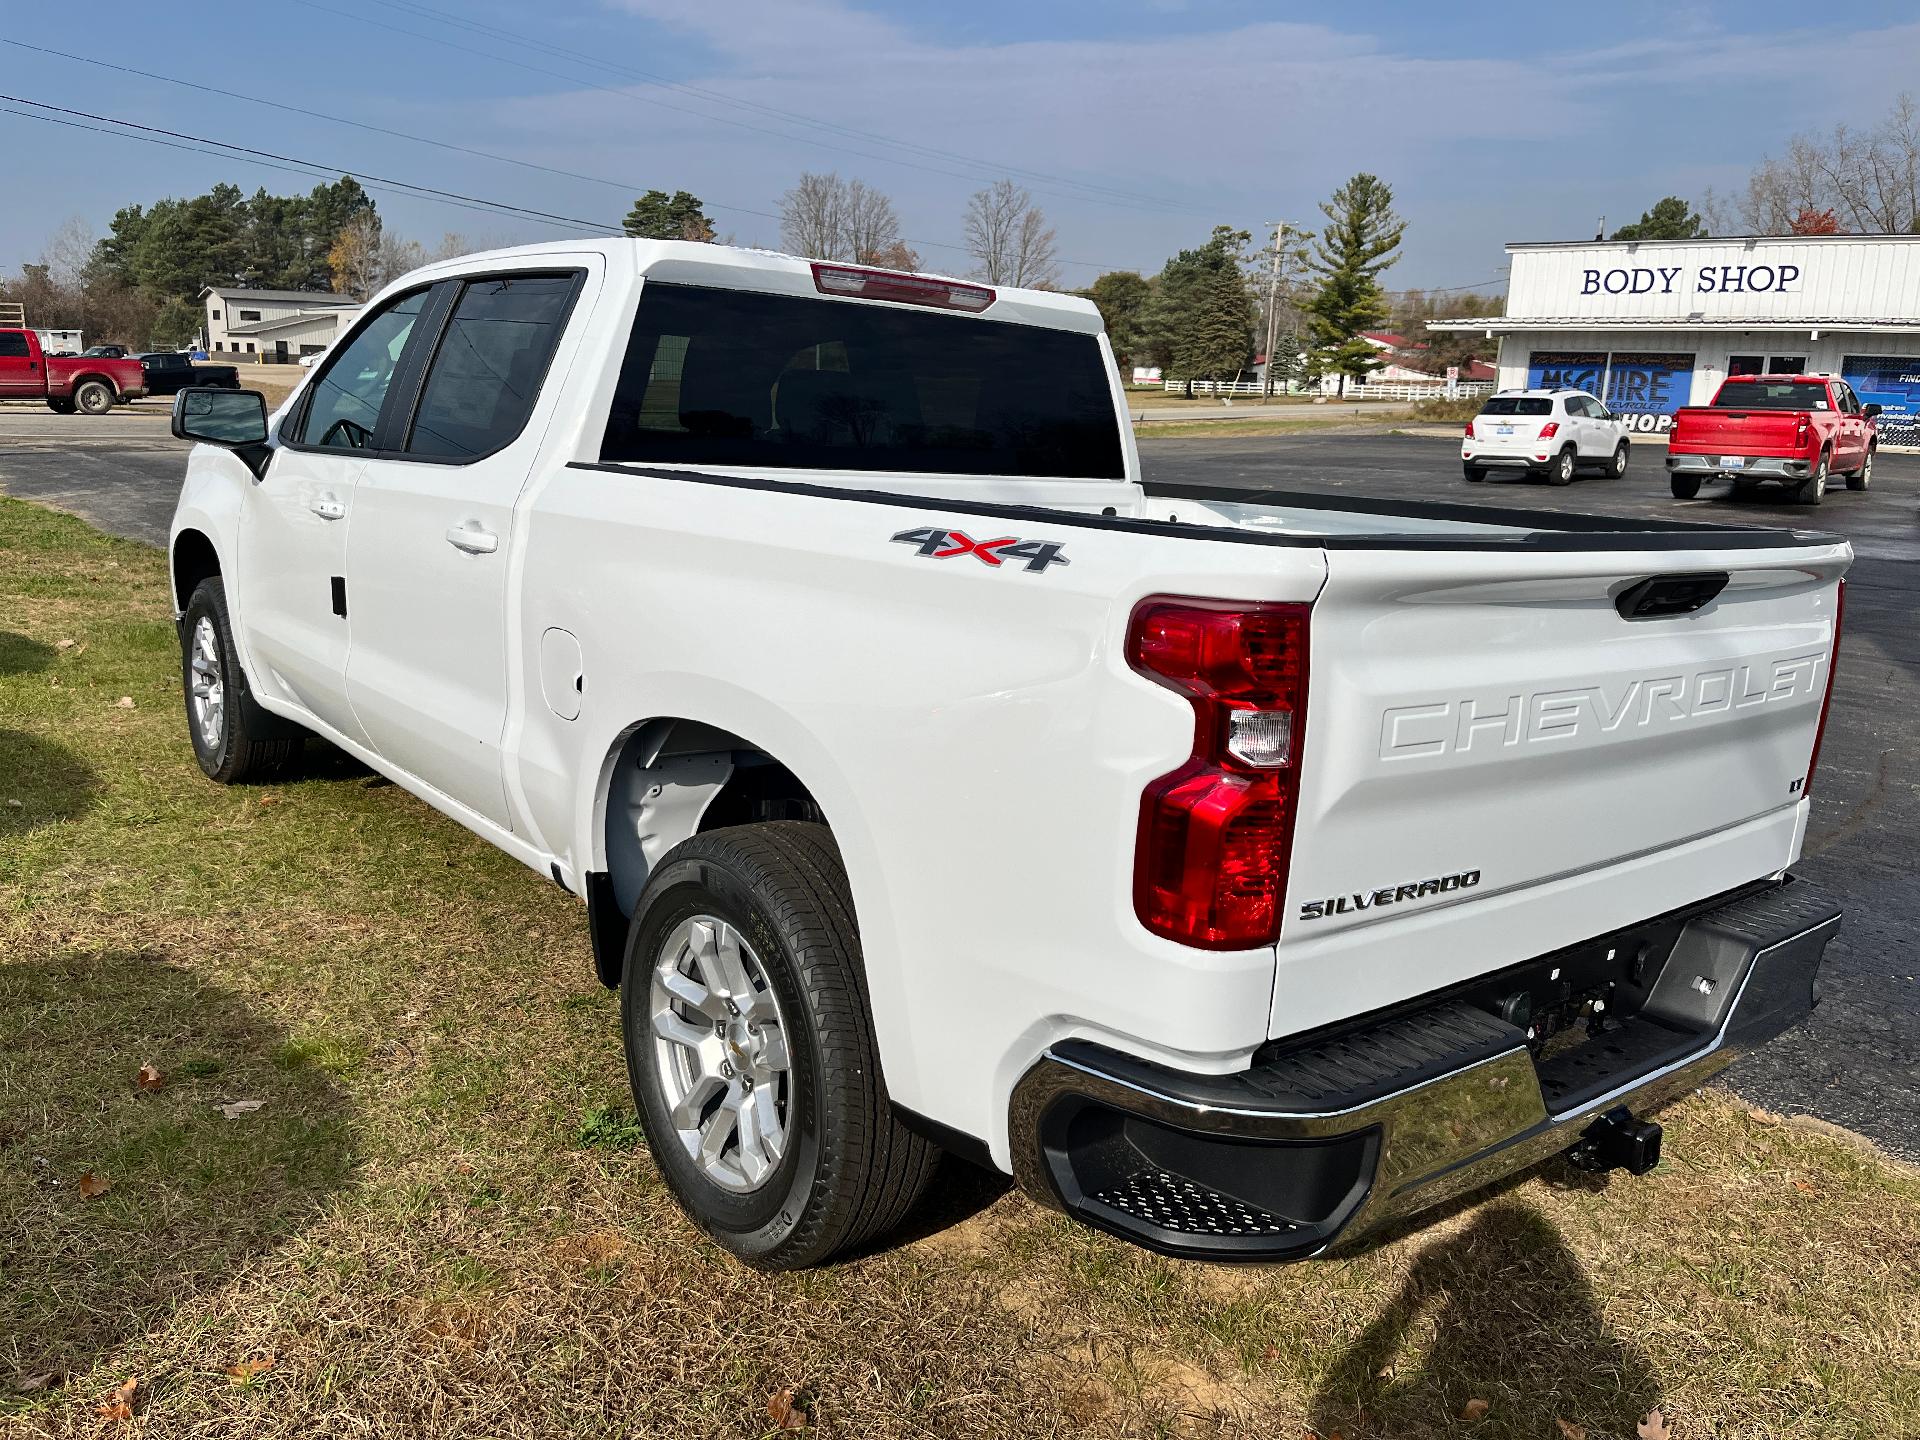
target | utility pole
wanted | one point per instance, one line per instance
(1273, 297)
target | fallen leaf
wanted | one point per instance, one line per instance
(93, 1186)
(1474, 1411)
(1803, 1185)
(784, 1412)
(269, 799)
(16, 804)
(125, 702)
(149, 1078)
(1385, 1372)
(118, 1403)
(1763, 1117)
(234, 1109)
(63, 644)
(1571, 1430)
(1655, 1426)
(247, 1369)
(34, 1384)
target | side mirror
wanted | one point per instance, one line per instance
(1870, 411)
(233, 418)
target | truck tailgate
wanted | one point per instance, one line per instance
(1715, 431)
(1498, 763)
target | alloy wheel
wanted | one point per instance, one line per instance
(206, 685)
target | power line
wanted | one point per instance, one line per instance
(420, 10)
(269, 155)
(576, 79)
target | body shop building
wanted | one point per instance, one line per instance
(1652, 325)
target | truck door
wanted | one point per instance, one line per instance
(20, 373)
(431, 553)
(292, 560)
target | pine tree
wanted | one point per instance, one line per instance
(657, 215)
(1198, 322)
(1669, 219)
(1361, 239)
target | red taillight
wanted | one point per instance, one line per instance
(1216, 835)
(1550, 429)
(1833, 668)
(900, 287)
(1802, 431)
(1470, 434)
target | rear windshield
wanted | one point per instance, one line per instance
(1517, 405)
(732, 377)
(1771, 395)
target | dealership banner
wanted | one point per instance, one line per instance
(1645, 389)
(1893, 383)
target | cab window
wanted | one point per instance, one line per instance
(344, 408)
(490, 363)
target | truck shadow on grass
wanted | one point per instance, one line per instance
(1499, 1311)
(40, 783)
(122, 1202)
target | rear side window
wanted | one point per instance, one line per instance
(1772, 395)
(491, 361)
(1518, 405)
(731, 377)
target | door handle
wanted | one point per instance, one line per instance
(328, 508)
(472, 539)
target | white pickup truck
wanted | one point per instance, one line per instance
(1239, 874)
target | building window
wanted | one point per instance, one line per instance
(249, 314)
(250, 347)
(311, 349)
(216, 314)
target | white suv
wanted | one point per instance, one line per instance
(1548, 432)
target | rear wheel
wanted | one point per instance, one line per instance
(234, 740)
(1617, 466)
(1685, 487)
(1863, 477)
(1560, 470)
(751, 1051)
(1813, 489)
(93, 397)
(1473, 473)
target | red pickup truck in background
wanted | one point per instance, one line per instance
(1794, 429)
(90, 384)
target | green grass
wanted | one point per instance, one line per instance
(442, 1220)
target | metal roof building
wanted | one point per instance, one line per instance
(1652, 325)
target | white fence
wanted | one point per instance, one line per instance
(1385, 390)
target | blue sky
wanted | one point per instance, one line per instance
(1138, 124)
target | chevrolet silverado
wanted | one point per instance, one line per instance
(1792, 429)
(1239, 871)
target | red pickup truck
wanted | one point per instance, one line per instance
(1793, 429)
(87, 383)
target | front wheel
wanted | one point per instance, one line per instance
(751, 1049)
(1617, 466)
(60, 407)
(93, 397)
(1863, 477)
(1685, 487)
(1813, 489)
(234, 739)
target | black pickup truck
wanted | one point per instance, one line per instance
(171, 371)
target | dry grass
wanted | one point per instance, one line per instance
(1258, 425)
(440, 1221)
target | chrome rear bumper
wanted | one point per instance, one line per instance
(1330, 1137)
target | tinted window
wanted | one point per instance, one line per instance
(489, 366)
(13, 345)
(1518, 405)
(348, 394)
(1772, 395)
(730, 377)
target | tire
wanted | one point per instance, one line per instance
(93, 397)
(1813, 489)
(1684, 487)
(1561, 470)
(1863, 477)
(1474, 473)
(60, 407)
(1617, 466)
(845, 1170)
(235, 741)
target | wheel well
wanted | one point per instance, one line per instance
(671, 779)
(194, 559)
(106, 380)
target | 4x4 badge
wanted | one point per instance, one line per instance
(937, 544)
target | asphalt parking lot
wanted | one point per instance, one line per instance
(1857, 1064)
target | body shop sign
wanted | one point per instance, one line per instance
(1679, 280)
(1645, 389)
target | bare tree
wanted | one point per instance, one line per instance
(1009, 238)
(870, 228)
(1869, 179)
(813, 218)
